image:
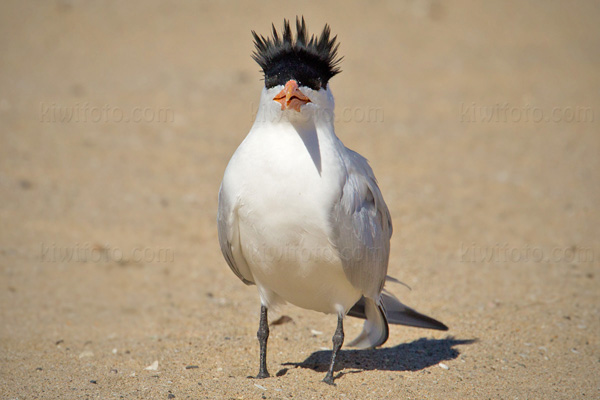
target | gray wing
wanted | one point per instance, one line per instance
(229, 239)
(362, 228)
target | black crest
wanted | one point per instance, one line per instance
(311, 62)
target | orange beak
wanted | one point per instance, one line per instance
(291, 97)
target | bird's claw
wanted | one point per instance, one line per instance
(329, 380)
(263, 375)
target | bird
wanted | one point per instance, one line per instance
(301, 216)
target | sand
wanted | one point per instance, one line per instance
(117, 119)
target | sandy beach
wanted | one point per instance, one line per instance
(481, 121)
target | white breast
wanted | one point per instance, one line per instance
(286, 182)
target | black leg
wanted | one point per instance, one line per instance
(338, 340)
(263, 335)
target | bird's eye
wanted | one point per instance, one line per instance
(314, 83)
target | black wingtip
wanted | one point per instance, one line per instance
(386, 333)
(410, 317)
(399, 316)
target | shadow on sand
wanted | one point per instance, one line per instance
(412, 356)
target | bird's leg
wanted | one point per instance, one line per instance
(338, 340)
(263, 335)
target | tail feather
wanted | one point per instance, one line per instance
(391, 310)
(375, 330)
(398, 313)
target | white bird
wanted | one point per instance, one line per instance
(300, 215)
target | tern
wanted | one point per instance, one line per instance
(300, 215)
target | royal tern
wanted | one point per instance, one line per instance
(300, 215)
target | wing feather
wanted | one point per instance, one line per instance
(229, 239)
(362, 228)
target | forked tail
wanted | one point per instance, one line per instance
(391, 310)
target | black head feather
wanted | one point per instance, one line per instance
(311, 62)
